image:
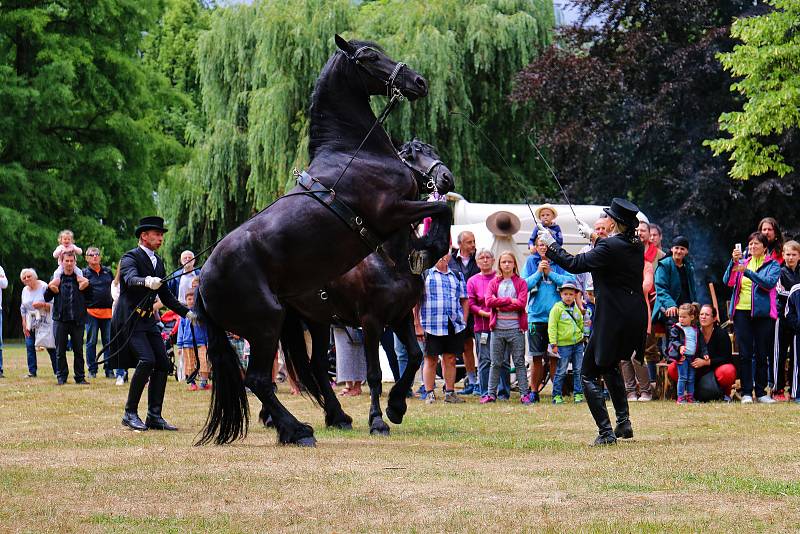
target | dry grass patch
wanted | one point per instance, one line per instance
(67, 465)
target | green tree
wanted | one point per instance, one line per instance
(258, 64)
(766, 64)
(79, 145)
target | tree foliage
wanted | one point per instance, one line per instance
(767, 64)
(258, 64)
(80, 147)
(624, 107)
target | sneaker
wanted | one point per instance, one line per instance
(645, 397)
(30, 375)
(477, 391)
(92, 375)
(681, 400)
(632, 397)
(579, 398)
(727, 398)
(451, 398)
(747, 399)
(469, 389)
(2, 375)
(205, 386)
(430, 397)
(193, 387)
(690, 398)
(421, 391)
(766, 399)
(797, 400)
(534, 396)
(486, 399)
(779, 396)
(558, 399)
(120, 381)
(526, 399)
(503, 397)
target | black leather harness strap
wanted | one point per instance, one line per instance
(327, 197)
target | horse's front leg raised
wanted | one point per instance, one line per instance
(372, 335)
(396, 407)
(432, 246)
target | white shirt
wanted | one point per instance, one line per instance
(150, 254)
(3, 283)
(184, 285)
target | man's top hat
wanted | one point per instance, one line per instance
(503, 223)
(150, 223)
(623, 211)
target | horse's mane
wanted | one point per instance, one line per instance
(415, 145)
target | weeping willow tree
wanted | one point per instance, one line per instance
(257, 66)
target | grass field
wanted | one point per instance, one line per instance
(67, 465)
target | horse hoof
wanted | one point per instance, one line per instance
(268, 422)
(395, 416)
(309, 441)
(343, 426)
(379, 431)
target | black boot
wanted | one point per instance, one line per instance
(138, 382)
(593, 391)
(616, 389)
(155, 398)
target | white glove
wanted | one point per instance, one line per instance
(585, 230)
(191, 317)
(153, 282)
(545, 235)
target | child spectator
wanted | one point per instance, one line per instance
(793, 321)
(543, 279)
(684, 339)
(565, 328)
(186, 343)
(546, 214)
(588, 312)
(66, 242)
(507, 298)
(784, 348)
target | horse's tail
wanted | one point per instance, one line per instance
(229, 413)
(298, 363)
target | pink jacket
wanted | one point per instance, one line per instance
(504, 303)
(476, 292)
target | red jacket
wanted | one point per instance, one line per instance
(496, 303)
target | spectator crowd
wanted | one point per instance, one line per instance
(495, 316)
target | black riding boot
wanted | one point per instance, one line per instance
(155, 398)
(138, 382)
(616, 389)
(593, 391)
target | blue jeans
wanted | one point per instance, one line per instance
(93, 324)
(685, 379)
(1, 340)
(502, 343)
(567, 354)
(30, 348)
(483, 350)
(402, 354)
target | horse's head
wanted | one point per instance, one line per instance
(384, 74)
(429, 171)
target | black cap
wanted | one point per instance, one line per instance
(680, 241)
(623, 211)
(150, 223)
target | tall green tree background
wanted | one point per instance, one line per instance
(81, 143)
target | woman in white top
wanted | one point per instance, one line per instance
(33, 309)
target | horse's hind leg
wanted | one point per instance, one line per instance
(334, 415)
(396, 407)
(263, 346)
(372, 334)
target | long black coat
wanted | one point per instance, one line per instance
(620, 319)
(134, 267)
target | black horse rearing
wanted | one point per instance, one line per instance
(298, 244)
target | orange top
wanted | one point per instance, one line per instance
(99, 313)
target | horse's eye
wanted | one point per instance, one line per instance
(370, 55)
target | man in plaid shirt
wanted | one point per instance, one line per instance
(444, 319)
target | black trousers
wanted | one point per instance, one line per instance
(755, 338)
(148, 346)
(74, 331)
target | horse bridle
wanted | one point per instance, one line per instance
(391, 88)
(431, 184)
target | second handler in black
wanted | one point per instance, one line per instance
(136, 340)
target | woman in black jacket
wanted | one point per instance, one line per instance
(620, 319)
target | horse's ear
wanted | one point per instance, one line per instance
(342, 43)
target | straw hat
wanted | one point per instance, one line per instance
(546, 206)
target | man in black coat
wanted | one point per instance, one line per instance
(136, 338)
(620, 319)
